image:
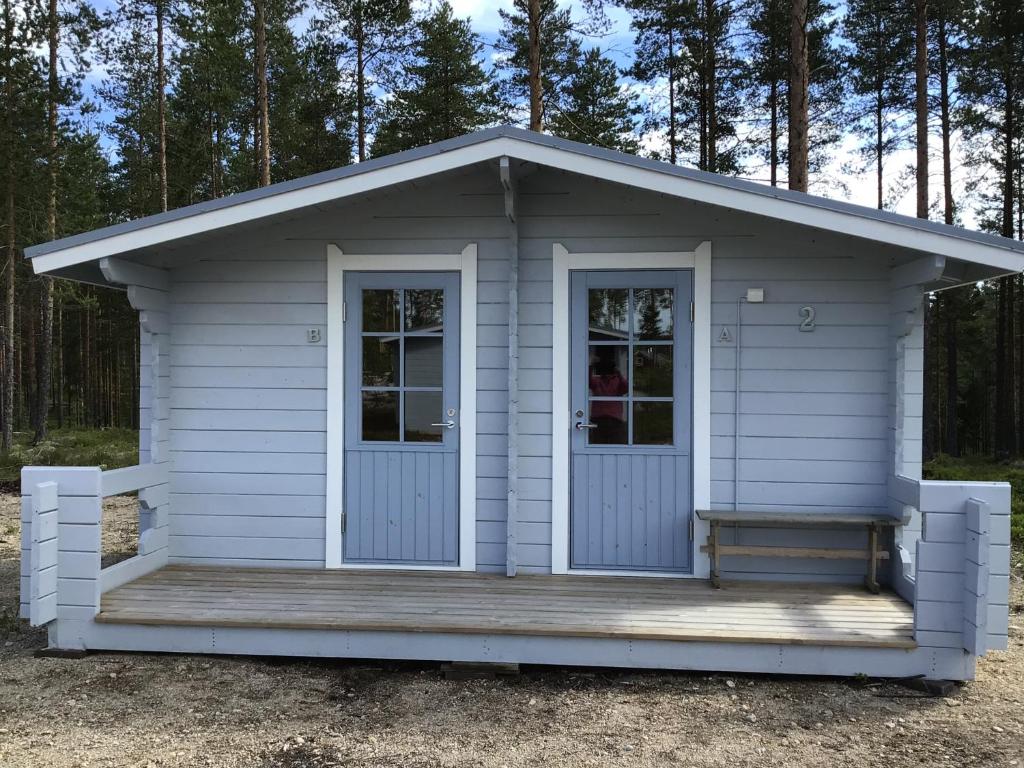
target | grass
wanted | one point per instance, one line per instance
(979, 468)
(106, 448)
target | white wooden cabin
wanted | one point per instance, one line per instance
(512, 398)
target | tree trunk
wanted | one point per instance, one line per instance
(357, 36)
(711, 70)
(773, 133)
(10, 244)
(161, 102)
(672, 128)
(536, 96)
(879, 146)
(921, 104)
(44, 361)
(947, 128)
(799, 80)
(263, 98)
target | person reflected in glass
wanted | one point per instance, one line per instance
(607, 380)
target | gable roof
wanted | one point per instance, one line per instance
(505, 141)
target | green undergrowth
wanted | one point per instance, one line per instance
(106, 448)
(947, 468)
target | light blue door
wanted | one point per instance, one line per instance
(401, 418)
(631, 385)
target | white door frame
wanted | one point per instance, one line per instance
(699, 260)
(465, 264)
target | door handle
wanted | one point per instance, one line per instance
(581, 425)
(450, 424)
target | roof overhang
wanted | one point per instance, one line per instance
(1000, 255)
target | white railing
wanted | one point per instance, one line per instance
(62, 542)
(957, 574)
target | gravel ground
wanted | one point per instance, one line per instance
(115, 709)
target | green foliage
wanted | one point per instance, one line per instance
(690, 44)
(944, 467)
(880, 38)
(447, 92)
(767, 81)
(106, 448)
(595, 110)
(559, 54)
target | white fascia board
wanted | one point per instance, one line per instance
(785, 210)
(804, 213)
(268, 206)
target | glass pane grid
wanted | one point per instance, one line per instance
(640, 322)
(393, 409)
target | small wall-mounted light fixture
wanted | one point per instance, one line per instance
(755, 295)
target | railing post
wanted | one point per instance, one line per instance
(976, 576)
(79, 510)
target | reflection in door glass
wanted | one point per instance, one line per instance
(380, 416)
(652, 313)
(423, 361)
(422, 409)
(652, 423)
(608, 310)
(380, 361)
(652, 370)
(609, 420)
(424, 310)
(609, 367)
(381, 310)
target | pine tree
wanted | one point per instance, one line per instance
(555, 41)
(799, 88)
(374, 34)
(312, 108)
(690, 45)
(656, 50)
(447, 92)
(994, 120)
(129, 86)
(880, 37)
(767, 102)
(211, 121)
(596, 110)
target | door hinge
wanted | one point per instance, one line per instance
(344, 311)
(693, 311)
(691, 529)
(344, 521)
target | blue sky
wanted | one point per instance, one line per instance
(837, 180)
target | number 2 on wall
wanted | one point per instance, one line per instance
(808, 314)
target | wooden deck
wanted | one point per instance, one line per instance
(580, 606)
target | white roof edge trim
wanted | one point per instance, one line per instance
(806, 213)
(209, 221)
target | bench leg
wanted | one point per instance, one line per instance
(871, 580)
(713, 541)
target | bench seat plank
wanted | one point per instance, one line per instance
(797, 517)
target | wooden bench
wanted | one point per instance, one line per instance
(872, 520)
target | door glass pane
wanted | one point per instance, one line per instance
(652, 370)
(609, 368)
(608, 310)
(652, 313)
(609, 418)
(424, 310)
(380, 361)
(382, 310)
(652, 423)
(421, 410)
(424, 362)
(380, 416)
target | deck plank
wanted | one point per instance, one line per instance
(470, 603)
